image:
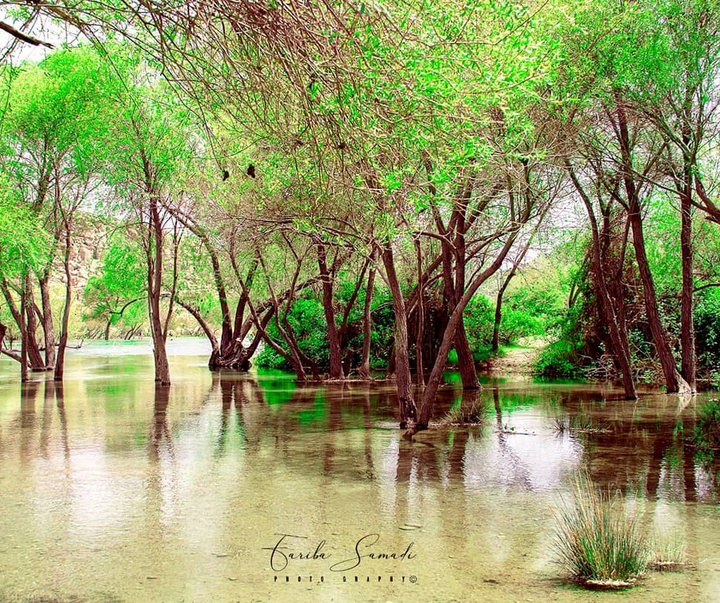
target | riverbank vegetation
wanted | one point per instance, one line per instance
(340, 187)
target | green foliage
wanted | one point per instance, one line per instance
(707, 428)
(479, 318)
(707, 330)
(24, 242)
(307, 320)
(559, 360)
(116, 296)
(598, 540)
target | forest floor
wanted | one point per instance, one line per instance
(517, 359)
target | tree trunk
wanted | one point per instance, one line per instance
(364, 369)
(495, 345)
(665, 355)
(466, 362)
(688, 361)
(428, 400)
(155, 267)
(23, 332)
(420, 333)
(34, 356)
(47, 323)
(336, 368)
(406, 400)
(60, 364)
(620, 349)
(501, 293)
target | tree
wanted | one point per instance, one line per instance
(50, 138)
(147, 146)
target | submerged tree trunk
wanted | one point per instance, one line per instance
(688, 361)
(364, 369)
(665, 355)
(673, 381)
(428, 400)
(24, 333)
(47, 322)
(336, 368)
(34, 356)
(420, 332)
(155, 267)
(615, 326)
(60, 364)
(406, 400)
(466, 361)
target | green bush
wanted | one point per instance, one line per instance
(479, 318)
(307, 319)
(707, 330)
(559, 360)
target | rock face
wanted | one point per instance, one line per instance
(88, 245)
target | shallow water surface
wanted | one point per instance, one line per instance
(231, 487)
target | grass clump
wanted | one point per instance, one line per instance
(465, 414)
(668, 555)
(571, 424)
(598, 541)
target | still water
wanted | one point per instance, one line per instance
(249, 488)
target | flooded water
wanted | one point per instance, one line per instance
(250, 488)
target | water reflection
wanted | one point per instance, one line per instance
(532, 439)
(174, 491)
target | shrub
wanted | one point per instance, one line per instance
(598, 541)
(558, 360)
(479, 319)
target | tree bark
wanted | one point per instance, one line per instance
(60, 364)
(620, 349)
(336, 368)
(47, 322)
(428, 400)
(673, 380)
(420, 333)
(495, 345)
(688, 361)
(34, 357)
(406, 400)
(23, 332)
(364, 369)
(155, 267)
(466, 361)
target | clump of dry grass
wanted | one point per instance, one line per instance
(668, 555)
(465, 414)
(599, 542)
(563, 425)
